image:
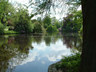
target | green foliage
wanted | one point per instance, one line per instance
(10, 32)
(78, 19)
(73, 22)
(51, 24)
(81, 30)
(56, 22)
(52, 28)
(6, 9)
(3, 8)
(1, 28)
(23, 21)
(70, 64)
(6, 12)
(73, 5)
(17, 47)
(38, 28)
(47, 21)
(18, 20)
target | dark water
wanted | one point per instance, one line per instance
(34, 53)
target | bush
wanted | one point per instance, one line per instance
(70, 64)
(38, 28)
(23, 26)
(46, 21)
(52, 28)
(1, 28)
(23, 22)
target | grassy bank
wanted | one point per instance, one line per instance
(8, 31)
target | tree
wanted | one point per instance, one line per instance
(47, 21)
(73, 22)
(3, 8)
(38, 27)
(51, 29)
(22, 21)
(6, 10)
(88, 62)
(55, 22)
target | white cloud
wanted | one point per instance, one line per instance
(31, 57)
(43, 62)
(41, 52)
(40, 47)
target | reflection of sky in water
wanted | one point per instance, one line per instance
(42, 56)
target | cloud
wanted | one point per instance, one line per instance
(41, 52)
(31, 57)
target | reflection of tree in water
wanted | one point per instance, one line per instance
(72, 41)
(47, 39)
(24, 43)
(37, 38)
(50, 38)
(5, 54)
(13, 50)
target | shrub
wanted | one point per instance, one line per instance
(46, 21)
(23, 27)
(38, 28)
(52, 28)
(70, 64)
(23, 22)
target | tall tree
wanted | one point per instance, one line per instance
(47, 21)
(6, 11)
(88, 62)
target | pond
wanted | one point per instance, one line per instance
(35, 52)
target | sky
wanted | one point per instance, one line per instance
(57, 15)
(20, 1)
(53, 53)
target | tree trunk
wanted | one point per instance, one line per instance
(88, 61)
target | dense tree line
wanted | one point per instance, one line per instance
(18, 20)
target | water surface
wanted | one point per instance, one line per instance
(34, 53)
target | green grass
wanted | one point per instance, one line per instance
(7, 31)
(10, 32)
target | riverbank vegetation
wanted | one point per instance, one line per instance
(70, 64)
(18, 20)
(67, 64)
